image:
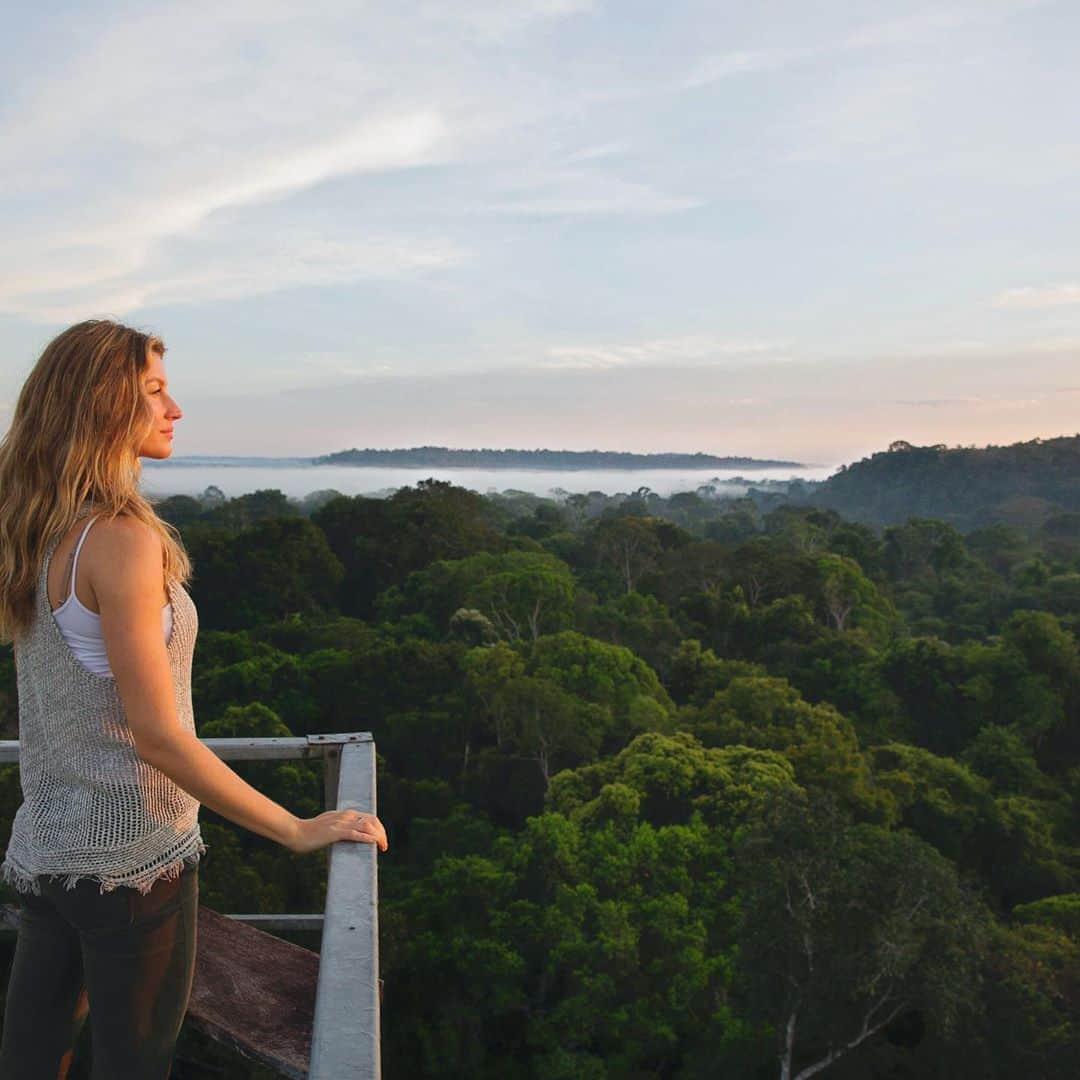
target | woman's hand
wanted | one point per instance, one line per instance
(318, 832)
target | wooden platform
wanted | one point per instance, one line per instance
(254, 993)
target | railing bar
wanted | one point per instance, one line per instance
(331, 775)
(255, 749)
(345, 1035)
(251, 749)
(262, 749)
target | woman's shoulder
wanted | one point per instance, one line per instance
(123, 541)
(127, 531)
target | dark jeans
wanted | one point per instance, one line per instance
(128, 957)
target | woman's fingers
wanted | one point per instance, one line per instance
(334, 825)
(363, 827)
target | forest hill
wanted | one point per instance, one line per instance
(1023, 484)
(441, 456)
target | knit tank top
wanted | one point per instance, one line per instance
(92, 808)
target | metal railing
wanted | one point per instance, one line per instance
(345, 1031)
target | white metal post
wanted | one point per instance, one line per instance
(345, 1035)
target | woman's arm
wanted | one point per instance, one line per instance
(124, 571)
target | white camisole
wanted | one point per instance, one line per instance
(81, 627)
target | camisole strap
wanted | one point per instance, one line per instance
(75, 557)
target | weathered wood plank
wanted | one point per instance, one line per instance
(254, 992)
(281, 922)
(9, 921)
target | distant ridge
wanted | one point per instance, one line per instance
(424, 456)
(1024, 483)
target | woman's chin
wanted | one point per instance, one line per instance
(157, 452)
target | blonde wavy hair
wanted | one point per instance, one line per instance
(73, 442)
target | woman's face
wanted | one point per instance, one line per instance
(157, 442)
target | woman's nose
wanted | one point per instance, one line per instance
(174, 411)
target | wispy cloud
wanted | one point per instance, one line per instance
(116, 263)
(941, 403)
(385, 143)
(496, 19)
(577, 192)
(257, 105)
(1036, 297)
(593, 153)
(904, 30)
(265, 263)
(749, 62)
(687, 351)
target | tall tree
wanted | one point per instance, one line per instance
(847, 927)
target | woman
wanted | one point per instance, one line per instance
(105, 847)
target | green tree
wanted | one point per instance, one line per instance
(801, 529)
(179, 510)
(1043, 694)
(472, 627)
(488, 671)
(856, 541)
(628, 927)
(525, 594)
(641, 623)
(845, 928)
(922, 548)
(275, 568)
(549, 725)
(455, 978)
(999, 545)
(1001, 756)
(247, 510)
(769, 713)
(1061, 912)
(739, 521)
(674, 777)
(439, 520)
(939, 798)
(697, 673)
(766, 570)
(930, 678)
(522, 593)
(850, 599)
(380, 542)
(628, 547)
(719, 618)
(610, 676)
(690, 569)
(1032, 1004)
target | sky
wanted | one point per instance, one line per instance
(782, 229)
